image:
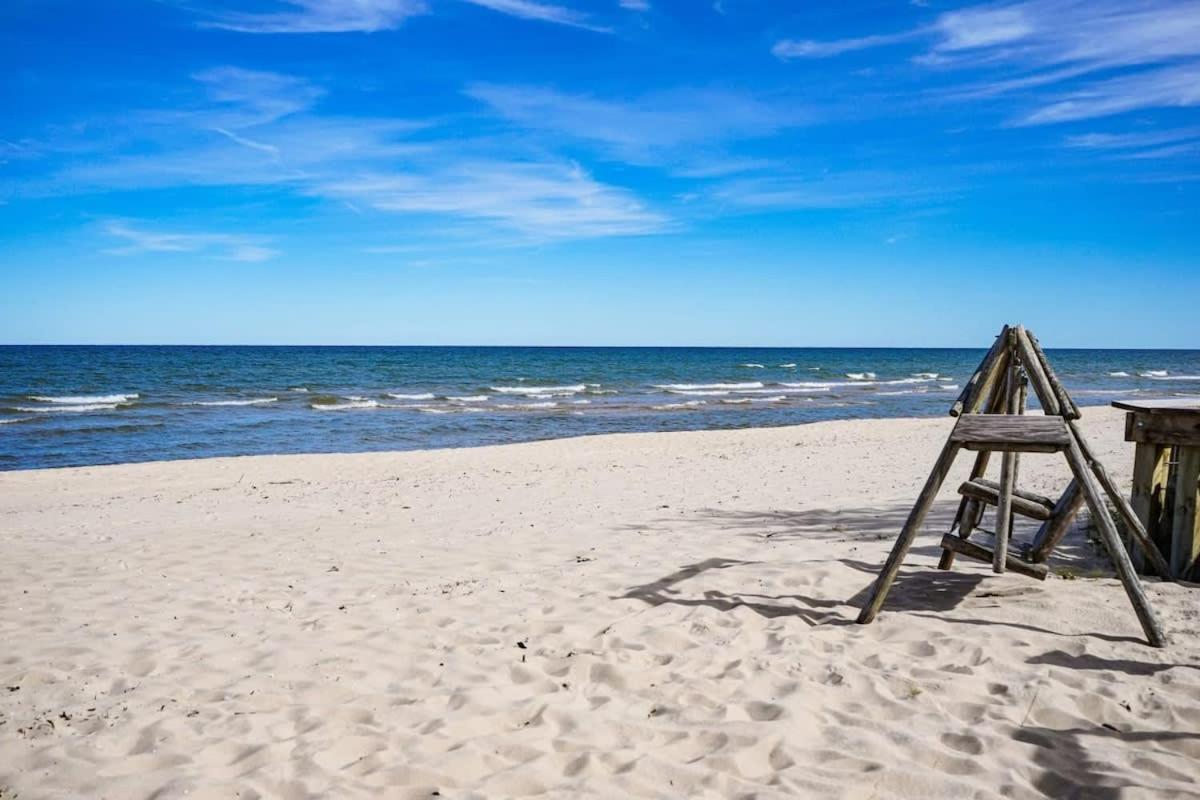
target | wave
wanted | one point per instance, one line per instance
(929, 376)
(736, 401)
(474, 398)
(418, 396)
(752, 366)
(696, 387)
(298, 389)
(1174, 377)
(950, 387)
(82, 407)
(428, 409)
(581, 402)
(785, 390)
(86, 399)
(787, 366)
(676, 406)
(257, 401)
(861, 376)
(825, 385)
(10, 420)
(1118, 374)
(352, 405)
(523, 406)
(700, 392)
(1154, 373)
(540, 390)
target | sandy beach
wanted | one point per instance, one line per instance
(651, 615)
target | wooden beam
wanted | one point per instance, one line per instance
(980, 553)
(1136, 529)
(971, 395)
(912, 525)
(1037, 374)
(1149, 497)
(1054, 529)
(1008, 474)
(1185, 528)
(1116, 551)
(1026, 504)
(1067, 406)
(1164, 429)
(1000, 432)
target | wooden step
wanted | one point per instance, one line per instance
(1012, 562)
(1027, 504)
(1018, 433)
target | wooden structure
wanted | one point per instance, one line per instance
(1166, 478)
(992, 419)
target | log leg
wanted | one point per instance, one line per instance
(1134, 524)
(912, 525)
(1112, 542)
(1008, 479)
(1149, 495)
(1185, 529)
(1054, 529)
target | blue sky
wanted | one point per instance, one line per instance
(739, 172)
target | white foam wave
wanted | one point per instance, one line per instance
(257, 401)
(785, 390)
(581, 402)
(1154, 373)
(950, 387)
(298, 389)
(752, 366)
(736, 401)
(1118, 374)
(787, 366)
(541, 390)
(1175, 377)
(700, 392)
(861, 376)
(430, 409)
(777, 399)
(10, 420)
(350, 406)
(697, 387)
(675, 406)
(925, 375)
(418, 396)
(86, 399)
(825, 385)
(69, 409)
(526, 406)
(474, 398)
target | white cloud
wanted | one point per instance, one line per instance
(543, 12)
(232, 247)
(541, 200)
(323, 16)
(787, 49)
(634, 5)
(1168, 87)
(635, 129)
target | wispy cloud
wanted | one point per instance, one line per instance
(543, 12)
(322, 16)
(231, 247)
(827, 190)
(634, 129)
(542, 200)
(787, 49)
(1168, 87)
(634, 5)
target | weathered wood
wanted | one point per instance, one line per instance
(1112, 542)
(1134, 525)
(1008, 471)
(1179, 405)
(1149, 496)
(972, 391)
(1027, 504)
(1054, 529)
(912, 525)
(1042, 386)
(980, 553)
(1030, 434)
(1185, 528)
(1181, 428)
(1067, 406)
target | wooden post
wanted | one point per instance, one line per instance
(912, 525)
(1112, 542)
(1136, 529)
(972, 550)
(1055, 528)
(1148, 498)
(973, 389)
(1067, 406)
(1185, 528)
(1008, 474)
(1033, 366)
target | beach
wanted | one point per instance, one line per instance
(661, 614)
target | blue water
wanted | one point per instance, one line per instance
(70, 406)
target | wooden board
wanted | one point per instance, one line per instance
(1173, 406)
(980, 553)
(1026, 504)
(1165, 427)
(1006, 432)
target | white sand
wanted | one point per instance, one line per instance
(655, 615)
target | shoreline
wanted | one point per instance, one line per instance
(638, 615)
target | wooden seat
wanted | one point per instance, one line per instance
(1028, 504)
(1012, 433)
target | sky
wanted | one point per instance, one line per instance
(599, 172)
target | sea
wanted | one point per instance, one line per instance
(63, 406)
